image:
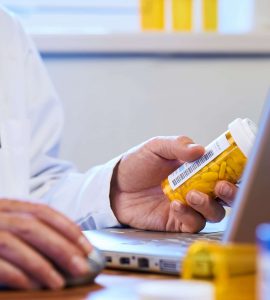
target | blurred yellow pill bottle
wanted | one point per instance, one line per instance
(182, 12)
(210, 15)
(152, 14)
(224, 159)
(230, 267)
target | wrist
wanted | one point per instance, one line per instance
(114, 191)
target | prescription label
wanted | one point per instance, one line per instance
(187, 170)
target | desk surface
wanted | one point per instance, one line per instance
(121, 285)
(109, 285)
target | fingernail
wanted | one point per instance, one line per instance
(176, 205)
(225, 190)
(83, 242)
(56, 281)
(195, 198)
(80, 265)
(193, 145)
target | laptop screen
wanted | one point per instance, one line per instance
(252, 203)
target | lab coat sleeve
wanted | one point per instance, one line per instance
(84, 197)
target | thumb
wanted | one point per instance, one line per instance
(180, 148)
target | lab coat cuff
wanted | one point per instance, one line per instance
(106, 218)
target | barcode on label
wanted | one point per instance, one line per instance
(187, 170)
(193, 167)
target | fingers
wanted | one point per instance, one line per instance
(21, 263)
(63, 225)
(226, 191)
(13, 277)
(201, 208)
(209, 208)
(180, 148)
(50, 243)
(192, 218)
(183, 218)
(54, 219)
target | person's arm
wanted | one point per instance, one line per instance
(87, 198)
(83, 197)
(39, 247)
(136, 200)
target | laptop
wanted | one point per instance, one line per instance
(162, 252)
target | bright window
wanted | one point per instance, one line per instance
(99, 16)
(94, 16)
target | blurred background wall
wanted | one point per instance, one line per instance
(112, 104)
(120, 86)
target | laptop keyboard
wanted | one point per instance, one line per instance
(138, 237)
(182, 240)
(185, 240)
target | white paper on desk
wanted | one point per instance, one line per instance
(14, 158)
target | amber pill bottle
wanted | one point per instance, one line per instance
(224, 159)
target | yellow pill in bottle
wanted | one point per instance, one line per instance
(224, 159)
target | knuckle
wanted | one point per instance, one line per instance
(41, 266)
(59, 254)
(5, 238)
(182, 139)
(207, 202)
(63, 261)
(218, 188)
(41, 208)
(25, 226)
(154, 140)
(153, 143)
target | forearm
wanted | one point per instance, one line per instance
(84, 197)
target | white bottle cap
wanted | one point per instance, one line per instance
(176, 290)
(243, 132)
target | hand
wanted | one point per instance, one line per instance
(138, 200)
(34, 238)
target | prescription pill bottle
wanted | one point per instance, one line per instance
(152, 14)
(182, 15)
(224, 159)
(210, 15)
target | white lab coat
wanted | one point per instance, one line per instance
(31, 121)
